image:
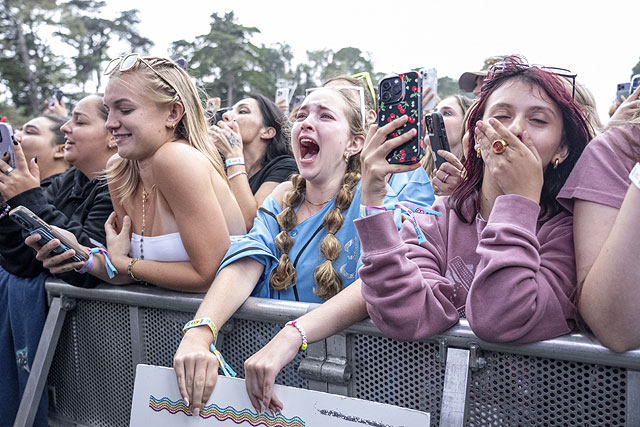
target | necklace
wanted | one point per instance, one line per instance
(317, 204)
(145, 197)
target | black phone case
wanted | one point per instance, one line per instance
(411, 105)
(437, 135)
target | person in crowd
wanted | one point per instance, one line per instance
(167, 182)
(41, 138)
(76, 200)
(500, 253)
(453, 109)
(585, 99)
(471, 81)
(622, 111)
(605, 200)
(303, 245)
(254, 139)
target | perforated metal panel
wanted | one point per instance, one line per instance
(245, 337)
(92, 371)
(405, 374)
(517, 390)
(161, 332)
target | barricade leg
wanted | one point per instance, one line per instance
(42, 361)
(633, 398)
(456, 388)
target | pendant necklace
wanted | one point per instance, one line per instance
(145, 197)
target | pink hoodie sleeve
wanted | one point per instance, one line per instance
(402, 282)
(523, 284)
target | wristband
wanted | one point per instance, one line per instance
(130, 269)
(226, 369)
(111, 269)
(233, 175)
(634, 176)
(233, 161)
(5, 211)
(203, 321)
(404, 207)
(295, 324)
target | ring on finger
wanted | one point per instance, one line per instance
(445, 178)
(8, 171)
(499, 146)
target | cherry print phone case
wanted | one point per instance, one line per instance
(399, 95)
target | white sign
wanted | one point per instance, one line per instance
(157, 403)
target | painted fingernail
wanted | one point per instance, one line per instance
(14, 140)
(186, 400)
(196, 412)
(5, 153)
(35, 159)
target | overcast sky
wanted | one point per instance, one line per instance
(600, 41)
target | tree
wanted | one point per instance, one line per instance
(636, 69)
(222, 60)
(28, 67)
(91, 36)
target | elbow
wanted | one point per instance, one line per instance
(618, 341)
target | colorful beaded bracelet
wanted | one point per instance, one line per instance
(295, 324)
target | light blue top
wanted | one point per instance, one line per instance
(307, 236)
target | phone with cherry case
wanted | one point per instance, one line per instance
(400, 95)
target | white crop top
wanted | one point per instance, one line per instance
(166, 247)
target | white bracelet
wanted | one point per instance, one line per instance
(634, 176)
(233, 175)
(233, 161)
(295, 324)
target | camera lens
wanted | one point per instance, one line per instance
(386, 85)
(396, 90)
(386, 96)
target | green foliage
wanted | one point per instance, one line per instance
(636, 69)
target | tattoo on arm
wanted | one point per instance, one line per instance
(233, 141)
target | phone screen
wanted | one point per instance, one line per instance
(6, 144)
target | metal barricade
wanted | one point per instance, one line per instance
(457, 378)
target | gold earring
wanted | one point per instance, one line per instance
(478, 153)
(556, 163)
(346, 157)
(171, 126)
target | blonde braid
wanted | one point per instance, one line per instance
(328, 281)
(284, 275)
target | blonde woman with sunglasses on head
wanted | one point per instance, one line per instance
(167, 182)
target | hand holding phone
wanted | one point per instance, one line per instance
(622, 91)
(401, 95)
(34, 225)
(430, 80)
(437, 136)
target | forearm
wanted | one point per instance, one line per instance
(240, 188)
(609, 300)
(523, 283)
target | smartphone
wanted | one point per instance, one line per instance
(217, 117)
(437, 135)
(635, 82)
(58, 94)
(623, 90)
(282, 93)
(399, 95)
(34, 225)
(430, 79)
(6, 143)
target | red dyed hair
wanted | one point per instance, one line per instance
(575, 132)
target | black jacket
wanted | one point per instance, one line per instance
(72, 202)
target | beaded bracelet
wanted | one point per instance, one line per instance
(205, 321)
(233, 175)
(111, 269)
(130, 269)
(5, 211)
(233, 161)
(295, 324)
(634, 176)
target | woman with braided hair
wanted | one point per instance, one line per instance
(303, 245)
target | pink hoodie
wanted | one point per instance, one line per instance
(512, 277)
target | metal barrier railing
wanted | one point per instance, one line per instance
(458, 378)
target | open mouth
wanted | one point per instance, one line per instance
(308, 149)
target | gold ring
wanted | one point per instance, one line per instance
(499, 146)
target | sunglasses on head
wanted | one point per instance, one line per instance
(128, 62)
(367, 78)
(512, 67)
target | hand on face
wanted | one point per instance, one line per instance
(227, 139)
(518, 170)
(450, 173)
(375, 167)
(25, 176)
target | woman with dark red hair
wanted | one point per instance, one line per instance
(500, 253)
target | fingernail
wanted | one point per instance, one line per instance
(35, 159)
(196, 412)
(186, 400)
(14, 140)
(479, 124)
(5, 153)
(492, 121)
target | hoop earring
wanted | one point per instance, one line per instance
(556, 163)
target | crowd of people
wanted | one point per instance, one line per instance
(526, 230)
